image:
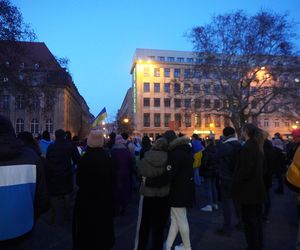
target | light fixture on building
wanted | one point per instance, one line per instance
(125, 120)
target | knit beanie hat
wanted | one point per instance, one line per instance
(95, 139)
(170, 135)
(6, 128)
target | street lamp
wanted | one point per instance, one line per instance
(125, 120)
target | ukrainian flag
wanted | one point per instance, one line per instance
(102, 115)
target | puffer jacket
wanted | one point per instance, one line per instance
(153, 164)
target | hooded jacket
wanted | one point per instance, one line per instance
(23, 192)
(179, 174)
(153, 164)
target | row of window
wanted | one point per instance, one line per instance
(173, 59)
(179, 88)
(178, 103)
(19, 102)
(266, 123)
(175, 73)
(178, 120)
(34, 126)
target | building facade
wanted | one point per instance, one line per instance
(37, 94)
(166, 94)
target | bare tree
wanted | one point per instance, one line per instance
(249, 64)
(12, 26)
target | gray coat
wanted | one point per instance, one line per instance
(153, 165)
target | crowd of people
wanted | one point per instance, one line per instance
(40, 175)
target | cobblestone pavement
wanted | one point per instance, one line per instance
(279, 233)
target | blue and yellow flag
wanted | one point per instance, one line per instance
(102, 115)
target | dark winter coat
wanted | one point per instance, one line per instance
(93, 225)
(181, 173)
(227, 154)
(209, 164)
(23, 191)
(248, 184)
(122, 165)
(269, 163)
(59, 171)
(153, 164)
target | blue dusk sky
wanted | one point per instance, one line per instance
(100, 36)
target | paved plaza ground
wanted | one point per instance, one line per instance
(280, 232)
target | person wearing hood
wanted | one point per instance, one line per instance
(60, 156)
(122, 164)
(93, 212)
(182, 189)
(154, 208)
(45, 142)
(23, 191)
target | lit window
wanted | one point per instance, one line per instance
(19, 125)
(197, 120)
(157, 72)
(19, 102)
(34, 126)
(178, 120)
(146, 71)
(187, 119)
(49, 125)
(218, 121)
(207, 120)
